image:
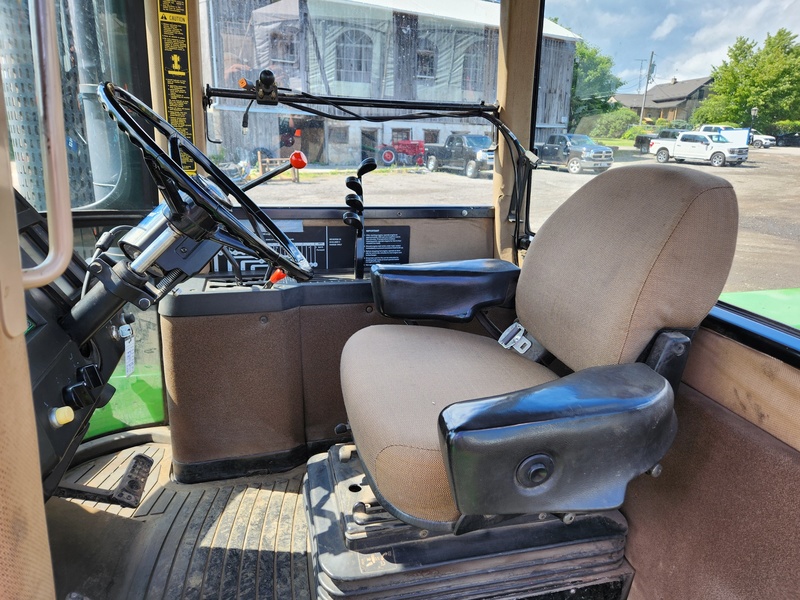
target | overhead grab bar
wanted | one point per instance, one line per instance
(54, 147)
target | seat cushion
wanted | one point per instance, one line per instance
(396, 379)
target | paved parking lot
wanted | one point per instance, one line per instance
(768, 188)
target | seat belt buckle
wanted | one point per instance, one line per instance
(514, 337)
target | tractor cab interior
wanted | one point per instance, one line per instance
(427, 401)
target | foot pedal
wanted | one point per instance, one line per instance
(128, 493)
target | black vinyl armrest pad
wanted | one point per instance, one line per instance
(449, 291)
(571, 445)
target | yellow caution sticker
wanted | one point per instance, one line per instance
(173, 29)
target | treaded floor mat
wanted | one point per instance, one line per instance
(239, 539)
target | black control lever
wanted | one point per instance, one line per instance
(355, 202)
(355, 221)
(297, 160)
(367, 165)
(354, 184)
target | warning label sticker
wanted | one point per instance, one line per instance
(173, 26)
(331, 249)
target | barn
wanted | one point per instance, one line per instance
(444, 51)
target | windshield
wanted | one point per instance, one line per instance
(719, 139)
(478, 141)
(584, 140)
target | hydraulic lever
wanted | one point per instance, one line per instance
(354, 184)
(297, 160)
(355, 217)
(356, 202)
(367, 165)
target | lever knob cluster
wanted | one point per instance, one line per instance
(355, 216)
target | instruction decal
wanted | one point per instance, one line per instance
(386, 245)
(173, 29)
(331, 249)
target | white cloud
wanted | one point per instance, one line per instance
(667, 25)
(688, 37)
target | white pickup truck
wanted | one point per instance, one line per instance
(697, 146)
(755, 137)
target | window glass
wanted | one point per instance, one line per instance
(436, 52)
(639, 68)
(399, 135)
(283, 46)
(353, 56)
(426, 59)
(472, 72)
(139, 399)
(431, 136)
(105, 171)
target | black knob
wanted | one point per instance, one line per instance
(354, 183)
(367, 165)
(535, 470)
(267, 78)
(355, 202)
(353, 220)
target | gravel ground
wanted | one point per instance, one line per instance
(768, 254)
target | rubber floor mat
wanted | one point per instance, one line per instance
(239, 539)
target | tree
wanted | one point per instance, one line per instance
(593, 83)
(615, 123)
(767, 78)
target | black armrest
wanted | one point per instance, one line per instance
(450, 291)
(571, 445)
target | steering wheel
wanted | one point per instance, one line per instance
(177, 185)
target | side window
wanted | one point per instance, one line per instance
(693, 81)
(354, 57)
(95, 44)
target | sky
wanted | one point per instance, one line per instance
(687, 36)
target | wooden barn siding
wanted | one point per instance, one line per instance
(555, 84)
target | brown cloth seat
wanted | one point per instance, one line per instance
(634, 251)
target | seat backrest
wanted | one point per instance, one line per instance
(636, 250)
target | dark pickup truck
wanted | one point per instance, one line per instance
(575, 152)
(470, 154)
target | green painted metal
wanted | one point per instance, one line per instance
(138, 401)
(782, 306)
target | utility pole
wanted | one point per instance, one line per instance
(641, 62)
(646, 84)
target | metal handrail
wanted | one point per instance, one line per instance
(54, 146)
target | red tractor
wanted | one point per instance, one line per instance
(402, 152)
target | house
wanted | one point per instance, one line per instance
(444, 51)
(671, 101)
